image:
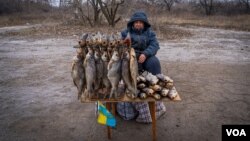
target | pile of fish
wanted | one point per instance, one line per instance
(103, 61)
(156, 86)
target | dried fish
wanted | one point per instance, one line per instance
(114, 73)
(78, 75)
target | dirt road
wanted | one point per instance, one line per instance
(38, 101)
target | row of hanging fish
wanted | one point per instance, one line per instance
(102, 61)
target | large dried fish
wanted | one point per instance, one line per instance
(90, 70)
(105, 80)
(99, 69)
(78, 74)
(126, 74)
(112, 45)
(104, 43)
(114, 73)
(82, 41)
(133, 66)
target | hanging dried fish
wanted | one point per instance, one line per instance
(105, 80)
(126, 74)
(114, 73)
(133, 66)
(90, 70)
(112, 45)
(78, 74)
(99, 69)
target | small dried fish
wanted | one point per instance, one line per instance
(164, 92)
(141, 85)
(148, 91)
(142, 95)
(172, 93)
(155, 87)
(157, 96)
(164, 78)
(152, 79)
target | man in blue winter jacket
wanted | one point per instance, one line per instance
(145, 43)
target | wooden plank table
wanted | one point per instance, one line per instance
(111, 105)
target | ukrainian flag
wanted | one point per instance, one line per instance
(104, 116)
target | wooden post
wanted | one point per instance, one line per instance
(113, 108)
(152, 112)
(108, 105)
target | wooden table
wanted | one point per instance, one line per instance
(110, 104)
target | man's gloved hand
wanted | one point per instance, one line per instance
(142, 58)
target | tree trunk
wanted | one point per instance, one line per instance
(110, 11)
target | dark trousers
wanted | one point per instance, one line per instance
(151, 64)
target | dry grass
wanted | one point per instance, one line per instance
(59, 30)
(32, 18)
(239, 22)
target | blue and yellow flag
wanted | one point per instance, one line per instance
(104, 116)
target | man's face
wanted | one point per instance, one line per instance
(138, 25)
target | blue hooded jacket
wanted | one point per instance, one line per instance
(143, 41)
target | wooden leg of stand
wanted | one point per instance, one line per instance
(113, 108)
(108, 105)
(152, 111)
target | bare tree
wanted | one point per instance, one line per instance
(207, 5)
(79, 11)
(88, 11)
(169, 3)
(96, 9)
(109, 9)
(63, 3)
(246, 3)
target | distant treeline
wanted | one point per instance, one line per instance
(24, 6)
(207, 7)
(93, 12)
